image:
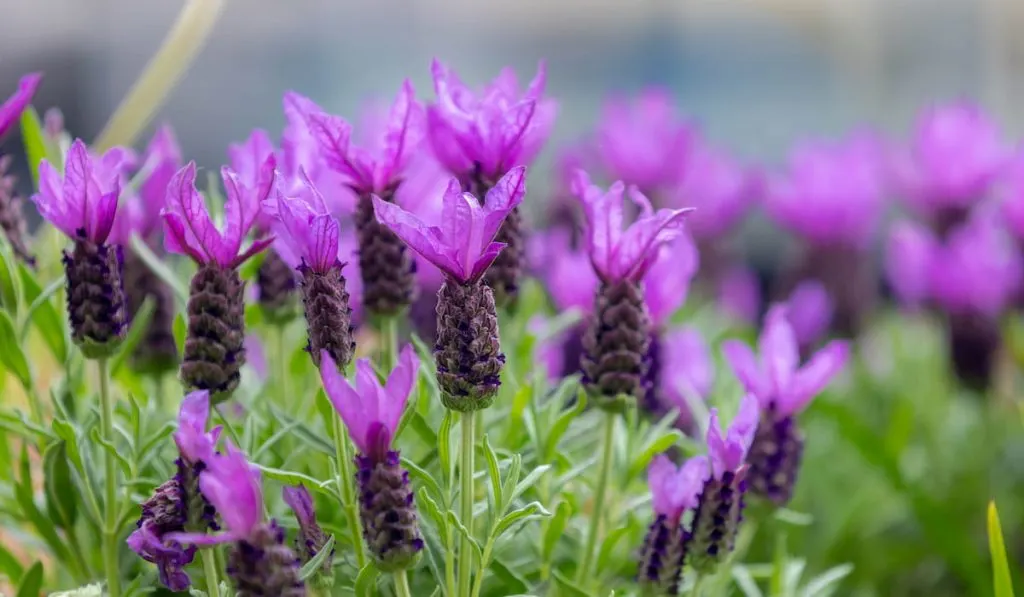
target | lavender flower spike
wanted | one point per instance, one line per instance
(83, 206)
(720, 505)
(12, 220)
(673, 492)
(480, 137)
(783, 388)
(311, 538)
(309, 240)
(259, 563)
(616, 344)
(467, 351)
(214, 342)
(178, 506)
(371, 413)
(387, 268)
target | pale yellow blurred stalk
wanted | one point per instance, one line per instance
(179, 49)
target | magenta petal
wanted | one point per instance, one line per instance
(201, 539)
(194, 443)
(11, 109)
(190, 229)
(345, 399)
(333, 135)
(399, 385)
(421, 238)
(909, 258)
(745, 367)
(232, 485)
(301, 503)
(780, 353)
(636, 246)
(403, 135)
(667, 281)
(719, 452)
(505, 196)
(810, 311)
(325, 233)
(483, 262)
(814, 376)
(256, 247)
(695, 371)
(50, 201)
(674, 490)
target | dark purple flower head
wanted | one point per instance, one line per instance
(11, 109)
(720, 188)
(139, 212)
(977, 270)
(376, 167)
(463, 245)
(191, 231)
(370, 410)
(83, 204)
(955, 155)
(194, 443)
(149, 542)
(490, 132)
(777, 380)
(830, 193)
(311, 538)
(644, 142)
(624, 255)
(674, 490)
(728, 454)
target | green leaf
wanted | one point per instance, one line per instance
(293, 478)
(825, 584)
(126, 467)
(651, 449)
(43, 314)
(156, 438)
(529, 481)
(180, 329)
(746, 582)
(568, 587)
(137, 330)
(10, 352)
(312, 566)
(10, 281)
(26, 501)
(59, 488)
(793, 517)
(66, 431)
(1000, 567)
(530, 511)
(159, 268)
(35, 142)
(367, 580)
(10, 566)
(444, 447)
(495, 476)
(556, 528)
(604, 555)
(510, 580)
(428, 505)
(454, 521)
(424, 477)
(561, 425)
(32, 583)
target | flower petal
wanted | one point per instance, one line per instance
(345, 399)
(744, 365)
(425, 240)
(814, 376)
(11, 109)
(400, 383)
(190, 229)
(780, 354)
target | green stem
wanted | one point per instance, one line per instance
(76, 551)
(212, 572)
(698, 586)
(449, 566)
(601, 490)
(388, 344)
(466, 499)
(110, 543)
(35, 406)
(237, 439)
(347, 490)
(401, 584)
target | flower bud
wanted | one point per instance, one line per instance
(387, 512)
(468, 350)
(214, 342)
(616, 344)
(95, 296)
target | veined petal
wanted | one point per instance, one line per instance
(371, 398)
(333, 135)
(635, 252)
(667, 281)
(189, 226)
(50, 201)
(780, 353)
(403, 135)
(325, 235)
(505, 196)
(232, 485)
(484, 261)
(11, 109)
(400, 383)
(80, 190)
(345, 399)
(425, 240)
(812, 378)
(744, 365)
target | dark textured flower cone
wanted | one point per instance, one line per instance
(264, 566)
(661, 560)
(468, 350)
(215, 340)
(386, 264)
(505, 273)
(651, 401)
(12, 219)
(328, 315)
(95, 294)
(157, 352)
(164, 513)
(200, 515)
(615, 345)
(715, 521)
(775, 457)
(848, 276)
(387, 512)
(974, 342)
(277, 286)
(165, 510)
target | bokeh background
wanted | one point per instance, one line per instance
(897, 484)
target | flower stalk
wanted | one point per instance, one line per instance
(601, 491)
(347, 489)
(110, 544)
(466, 501)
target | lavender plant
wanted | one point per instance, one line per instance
(591, 459)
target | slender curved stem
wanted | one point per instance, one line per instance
(600, 491)
(466, 502)
(401, 584)
(212, 572)
(347, 489)
(388, 344)
(110, 544)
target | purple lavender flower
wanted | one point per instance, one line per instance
(215, 338)
(467, 351)
(738, 294)
(783, 389)
(178, 506)
(311, 538)
(12, 220)
(371, 413)
(572, 283)
(480, 138)
(259, 563)
(954, 157)
(720, 504)
(309, 240)
(617, 341)
(720, 188)
(689, 374)
(674, 490)
(375, 169)
(83, 206)
(139, 214)
(644, 142)
(810, 310)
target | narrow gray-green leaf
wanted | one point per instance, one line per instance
(310, 568)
